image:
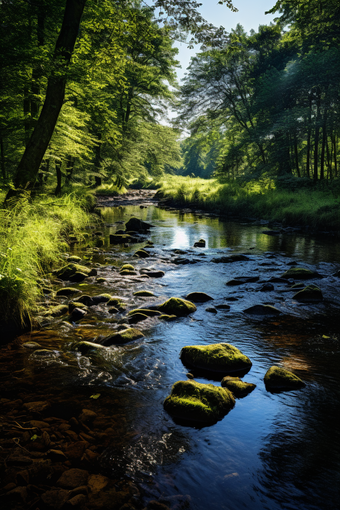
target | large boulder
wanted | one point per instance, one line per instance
(218, 358)
(310, 294)
(198, 403)
(300, 273)
(237, 387)
(280, 379)
(137, 225)
(177, 306)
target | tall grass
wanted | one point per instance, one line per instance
(33, 236)
(314, 207)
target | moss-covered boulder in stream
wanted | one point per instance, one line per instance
(197, 403)
(177, 306)
(218, 358)
(237, 387)
(310, 294)
(145, 311)
(300, 273)
(137, 225)
(280, 379)
(68, 291)
(86, 347)
(122, 337)
(74, 272)
(144, 293)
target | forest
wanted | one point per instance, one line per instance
(85, 91)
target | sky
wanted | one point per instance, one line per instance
(251, 14)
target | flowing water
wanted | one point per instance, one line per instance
(272, 450)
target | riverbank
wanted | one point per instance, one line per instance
(287, 202)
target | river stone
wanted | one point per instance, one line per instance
(300, 273)
(267, 287)
(77, 314)
(145, 311)
(137, 317)
(85, 300)
(154, 273)
(200, 244)
(198, 403)
(70, 270)
(221, 358)
(127, 267)
(198, 297)
(57, 311)
(240, 280)
(86, 347)
(101, 298)
(230, 258)
(144, 293)
(177, 306)
(137, 225)
(238, 388)
(76, 304)
(262, 310)
(73, 478)
(280, 379)
(122, 239)
(67, 291)
(122, 337)
(142, 254)
(310, 294)
(127, 272)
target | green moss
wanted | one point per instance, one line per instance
(177, 306)
(127, 267)
(198, 403)
(224, 358)
(299, 273)
(123, 337)
(67, 291)
(238, 388)
(280, 379)
(142, 254)
(57, 311)
(145, 311)
(66, 272)
(144, 293)
(310, 294)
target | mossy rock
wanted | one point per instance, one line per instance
(77, 314)
(137, 225)
(144, 293)
(121, 239)
(145, 311)
(127, 272)
(57, 311)
(101, 298)
(142, 254)
(198, 297)
(117, 302)
(76, 304)
(310, 294)
(300, 273)
(238, 388)
(101, 280)
(218, 358)
(177, 306)
(86, 300)
(280, 379)
(262, 310)
(167, 318)
(68, 291)
(137, 317)
(200, 244)
(127, 267)
(70, 270)
(122, 337)
(74, 259)
(88, 347)
(198, 403)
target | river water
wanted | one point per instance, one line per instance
(272, 450)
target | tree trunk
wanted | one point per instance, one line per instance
(57, 191)
(323, 146)
(29, 165)
(316, 137)
(2, 158)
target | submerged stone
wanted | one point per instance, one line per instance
(122, 337)
(230, 258)
(310, 294)
(300, 273)
(238, 388)
(198, 403)
(219, 358)
(262, 310)
(280, 379)
(240, 280)
(198, 297)
(137, 225)
(177, 306)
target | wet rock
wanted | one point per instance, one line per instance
(262, 310)
(230, 258)
(219, 358)
(77, 314)
(145, 311)
(167, 318)
(127, 267)
(70, 270)
(137, 225)
(122, 239)
(76, 304)
(211, 309)
(73, 478)
(87, 416)
(240, 280)
(142, 254)
(97, 483)
(154, 273)
(200, 244)
(310, 294)
(86, 300)
(137, 317)
(177, 306)
(238, 388)
(101, 298)
(86, 347)
(300, 273)
(57, 311)
(280, 379)
(54, 499)
(198, 403)
(267, 287)
(77, 501)
(37, 407)
(144, 293)
(122, 337)
(223, 306)
(198, 297)
(68, 291)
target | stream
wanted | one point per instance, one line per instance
(272, 450)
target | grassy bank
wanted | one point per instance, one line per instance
(291, 202)
(33, 236)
